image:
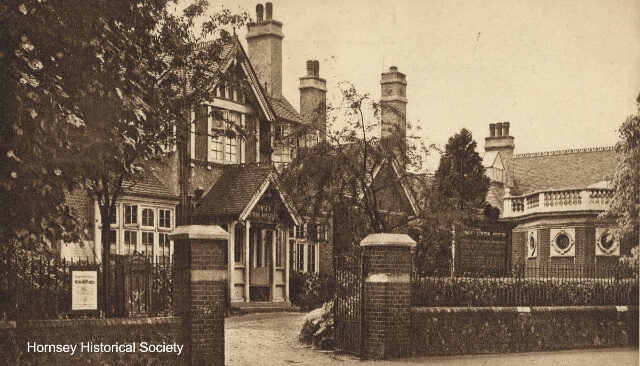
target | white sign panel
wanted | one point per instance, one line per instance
(84, 290)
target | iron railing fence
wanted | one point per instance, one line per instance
(348, 310)
(525, 284)
(39, 287)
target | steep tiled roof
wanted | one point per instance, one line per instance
(285, 110)
(150, 186)
(566, 169)
(233, 191)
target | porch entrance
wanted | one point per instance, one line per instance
(261, 262)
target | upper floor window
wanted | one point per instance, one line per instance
(217, 148)
(148, 217)
(223, 146)
(113, 219)
(301, 231)
(231, 145)
(130, 214)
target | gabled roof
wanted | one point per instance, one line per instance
(237, 191)
(234, 51)
(259, 92)
(564, 169)
(148, 187)
(405, 191)
(492, 159)
(284, 110)
(272, 107)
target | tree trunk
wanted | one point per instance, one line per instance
(106, 260)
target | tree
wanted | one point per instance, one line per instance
(457, 194)
(96, 94)
(460, 179)
(34, 129)
(335, 178)
(625, 204)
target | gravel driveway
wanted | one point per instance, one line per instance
(271, 339)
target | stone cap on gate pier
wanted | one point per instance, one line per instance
(392, 240)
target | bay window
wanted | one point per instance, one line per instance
(137, 230)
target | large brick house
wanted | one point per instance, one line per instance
(554, 199)
(233, 182)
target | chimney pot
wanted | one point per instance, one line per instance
(269, 10)
(259, 12)
(310, 67)
(505, 129)
(393, 69)
(316, 68)
(499, 129)
(492, 130)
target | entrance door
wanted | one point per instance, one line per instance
(260, 261)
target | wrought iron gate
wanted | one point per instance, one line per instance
(348, 307)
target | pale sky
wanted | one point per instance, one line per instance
(565, 73)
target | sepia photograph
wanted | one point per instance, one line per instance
(319, 182)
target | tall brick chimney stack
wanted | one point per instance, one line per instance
(264, 40)
(500, 140)
(393, 105)
(313, 98)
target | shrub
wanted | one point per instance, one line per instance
(317, 327)
(310, 290)
(440, 291)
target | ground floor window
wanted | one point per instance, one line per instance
(238, 245)
(280, 247)
(143, 230)
(305, 256)
(164, 247)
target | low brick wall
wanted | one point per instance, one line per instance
(479, 330)
(15, 336)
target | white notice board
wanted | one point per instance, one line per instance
(84, 290)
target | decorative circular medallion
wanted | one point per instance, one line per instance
(562, 243)
(607, 242)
